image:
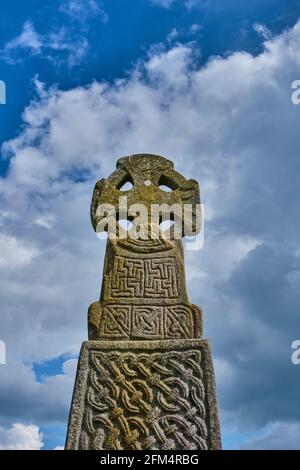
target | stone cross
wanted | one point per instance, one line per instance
(145, 378)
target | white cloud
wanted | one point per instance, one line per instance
(63, 43)
(15, 253)
(163, 3)
(82, 10)
(195, 28)
(45, 221)
(187, 3)
(230, 248)
(28, 39)
(281, 436)
(170, 67)
(6, 216)
(44, 401)
(229, 124)
(263, 31)
(58, 46)
(21, 437)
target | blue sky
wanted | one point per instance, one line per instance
(204, 82)
(122, 35)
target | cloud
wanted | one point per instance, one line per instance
(65, 43)
(229, 124)
(22, 397)
(28, 40)
(163, 3)
(61, 45)
(13, 253)
(81, 11)
(263, 31)
(58, 46)
(21, 437)
(187, 3)
(281, 436)
(261, 293)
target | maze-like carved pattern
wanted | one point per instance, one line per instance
(143, 278)
(138, 400)
(146, 322)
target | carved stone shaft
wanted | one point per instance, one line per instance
(145, 378)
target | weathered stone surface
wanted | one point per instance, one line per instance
(144, 291)
(144, 395)
(145, 379)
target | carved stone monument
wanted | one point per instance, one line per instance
(145, 378)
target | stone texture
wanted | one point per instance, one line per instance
(144, 395)
(145, 378)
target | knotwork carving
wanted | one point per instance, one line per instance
(120, 321)
(145, 400)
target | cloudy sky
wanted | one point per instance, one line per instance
(205, 83)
